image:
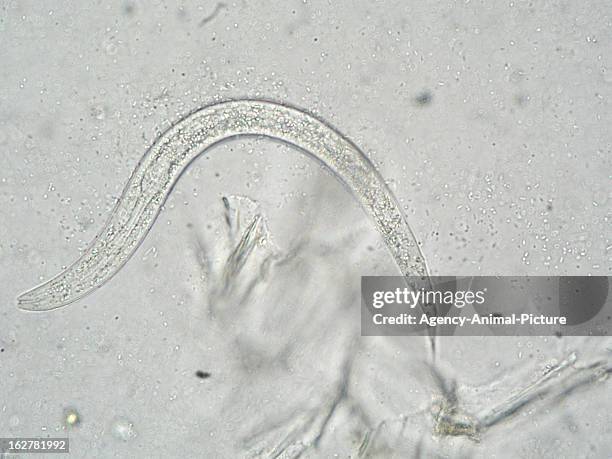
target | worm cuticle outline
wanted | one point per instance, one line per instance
(162, 165)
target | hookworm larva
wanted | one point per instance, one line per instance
(167, 158)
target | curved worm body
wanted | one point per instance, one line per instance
(163, 163)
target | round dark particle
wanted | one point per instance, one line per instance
(128, 9)
(423, 98)
(202, 374)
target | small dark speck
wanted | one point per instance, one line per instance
(423, 98)
(128, 9)
(521, 99)
(2, 350)
(558, 334)
(202, 374)
(116, 317)
(549, 207)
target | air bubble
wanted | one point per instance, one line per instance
(123, 429)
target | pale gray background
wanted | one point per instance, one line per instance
(506, 170)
